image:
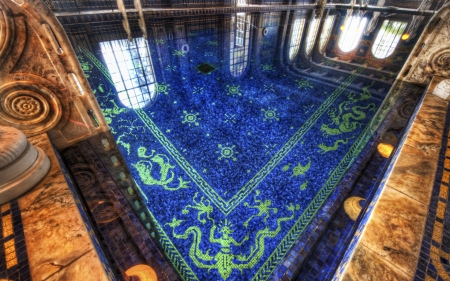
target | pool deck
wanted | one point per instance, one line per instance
(394, 234)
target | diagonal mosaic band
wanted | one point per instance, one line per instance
(231, 180)
(227, 206)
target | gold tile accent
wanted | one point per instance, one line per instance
(10, 254)
(9, 250)
(428, 278)
(7, 226)
(11, 263)
(10, 243)
(434, 254)
(446, 176)
(447, 163)
(437, 232)
(443, 193)
(5, 207)
(440, 211)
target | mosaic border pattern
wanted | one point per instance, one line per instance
(226, 207)
(13, 251)
(351, 247)
(435, 250)
(83, 214)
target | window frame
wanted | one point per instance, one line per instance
(345, 36)
(239, 43)
(135, 86)
(311, 35)
(326, 32)
(382, 48)
(296, 39)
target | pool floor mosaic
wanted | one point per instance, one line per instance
(234, 169)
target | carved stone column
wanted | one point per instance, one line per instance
(42, 86)
(22, 165)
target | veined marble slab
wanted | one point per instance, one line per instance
(388, 248)
(58, 244)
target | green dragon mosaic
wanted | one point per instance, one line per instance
(156, 171)
(229, 257)
(145, 167)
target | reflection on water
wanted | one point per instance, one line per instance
(131, 70)
(247, 122)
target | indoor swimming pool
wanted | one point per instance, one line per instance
(234, 142)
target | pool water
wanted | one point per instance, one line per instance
(234, 159)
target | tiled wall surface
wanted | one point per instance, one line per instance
(435, 251)
(42, 234)
(13, 252)
(125, 240)
(387, 245)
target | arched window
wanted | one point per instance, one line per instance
(311, 36)
(352, 31)
(388, 38)
(296, 37)
(325, 34)
(240, 40)
(131, 69)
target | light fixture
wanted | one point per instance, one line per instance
(385, 149)
(342, 27)
(405, 36)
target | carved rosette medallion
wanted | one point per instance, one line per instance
(85, 179)
(405, 109)
(440, 61)
(7, 32)
(106, 211)
(30, 107)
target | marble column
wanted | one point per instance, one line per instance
(22, 165)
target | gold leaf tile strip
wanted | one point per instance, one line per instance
(446, 176)
(437, 231)
(5, 207)
(443, 193)
(10, 254)
(11, 263)
(9, 243)
(440, 211)
(447, 163)
(434, 254)
(7, 226)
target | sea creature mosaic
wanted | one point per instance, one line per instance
(234, 169)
